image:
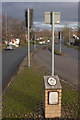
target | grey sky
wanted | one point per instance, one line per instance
(69, 10)
(40, 0)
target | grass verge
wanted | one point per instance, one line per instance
(3, 47)
(24, 95)
(72, 46)
(56, 51)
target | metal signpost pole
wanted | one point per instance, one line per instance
(35, 40)
(69, 36)
(28, 39)
(52, 18)
(52, 66)
(51, 82)
(60, 41)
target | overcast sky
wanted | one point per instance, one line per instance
(40, 0)
(69, 11)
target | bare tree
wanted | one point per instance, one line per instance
(67, 34)
(16, 28)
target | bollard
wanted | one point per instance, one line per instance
(52, 97)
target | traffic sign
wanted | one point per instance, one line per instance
(30, 17)
(48, 18)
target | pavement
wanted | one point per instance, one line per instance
(66, 67)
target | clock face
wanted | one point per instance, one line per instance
(51, 81)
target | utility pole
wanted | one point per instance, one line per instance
(28, 39)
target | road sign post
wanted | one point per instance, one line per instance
(34, 40)
(28, 40)
(52, 87)
(29, 23)
(69, 36)
(52, 65)
(60, 34)
(52, 18)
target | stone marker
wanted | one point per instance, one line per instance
(52, 97)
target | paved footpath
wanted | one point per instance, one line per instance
(66, 67)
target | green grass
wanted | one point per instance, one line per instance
(56, 51)
(75, 47)
(25, 96)
(70, 101)
(3, 47)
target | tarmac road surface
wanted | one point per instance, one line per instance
(65, 66)
(11, 60)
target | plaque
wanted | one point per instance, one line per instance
(53, 98)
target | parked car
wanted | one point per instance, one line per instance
(13, 47)
(10, 47)
(40, 43)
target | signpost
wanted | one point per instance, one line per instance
(29, 23)
(52, 67)
(60, 41)
(34, 39)
(69, 36)
(60, 36)
(52, 18)
(52, 87)
(28, 40)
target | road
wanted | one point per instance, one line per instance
(10, 62)
(73, 53)
(65, 66)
